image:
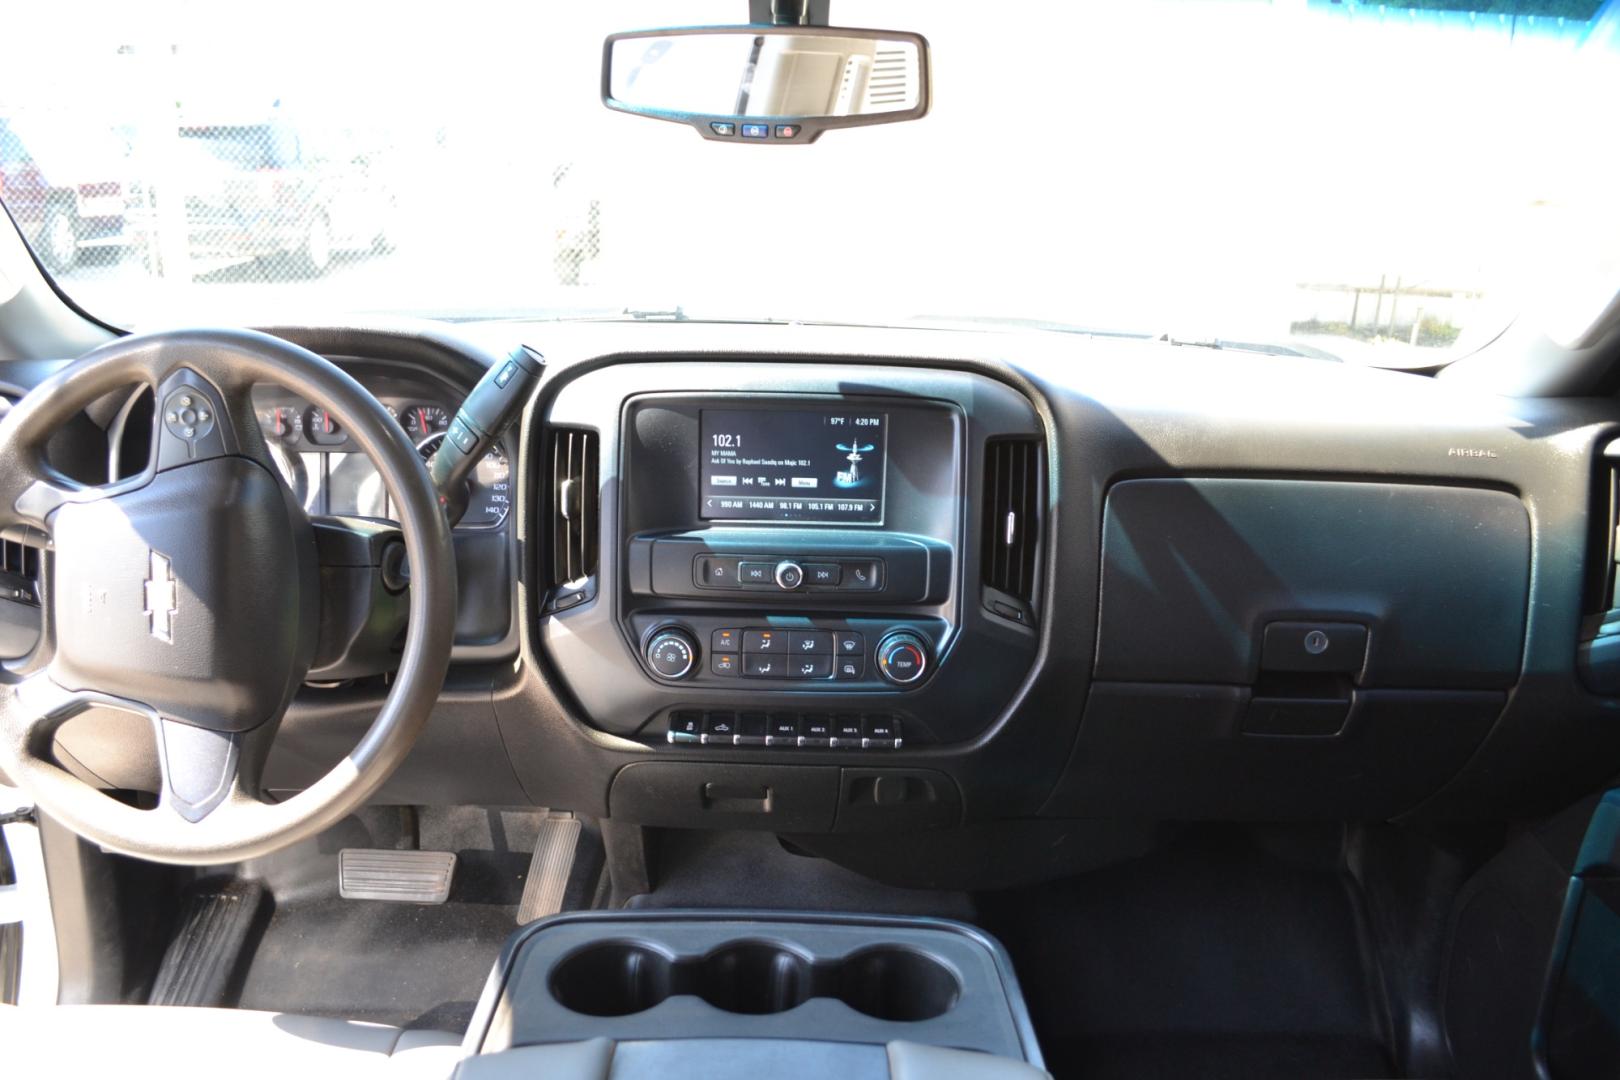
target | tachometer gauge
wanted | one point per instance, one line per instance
(281, 424)
(424, 420)
(489, 498)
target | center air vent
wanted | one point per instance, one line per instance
(1011, 529)
(574, 515)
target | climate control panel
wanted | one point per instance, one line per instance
(791, 653)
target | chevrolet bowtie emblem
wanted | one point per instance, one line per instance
(162, 599)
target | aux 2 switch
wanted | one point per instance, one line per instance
(672, 653)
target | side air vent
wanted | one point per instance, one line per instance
(574, 515)
(19, 598)
(1011, 532)
(1598, 657)
(19, 573)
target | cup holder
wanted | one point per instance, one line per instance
(897, 984)
(755, 977)
(618, 978)
(615, 978)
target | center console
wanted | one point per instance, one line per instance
(722, 994)
(806, 516)
(790, 571)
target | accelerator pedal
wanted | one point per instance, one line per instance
(201, 961)
(553, 859)
(405, 877)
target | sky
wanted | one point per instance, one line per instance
(1155, 166)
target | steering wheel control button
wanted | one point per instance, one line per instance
(823, 573)
(188, 415)
(902, 658)
(462, 436)
(851, 644)
(810, 642)
(756, 574)
(672, 653)
(788, 575)
(1327, 647)
(685, 727)
(728, 664)
(720, 729)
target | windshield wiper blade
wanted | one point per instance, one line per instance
(1266, 347)
(675, 315)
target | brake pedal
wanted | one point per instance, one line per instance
(553, 859)
(405, 877)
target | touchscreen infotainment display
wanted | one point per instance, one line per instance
(821, 465)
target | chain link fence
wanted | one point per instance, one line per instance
(272, 202)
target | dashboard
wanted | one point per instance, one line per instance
(312, 450)
(889, 591)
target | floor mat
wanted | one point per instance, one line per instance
(403, 964)
(1211, 959)
(719, 869)
(420, 966)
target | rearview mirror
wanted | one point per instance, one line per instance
(767, 84)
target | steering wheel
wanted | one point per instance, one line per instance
(190, 594)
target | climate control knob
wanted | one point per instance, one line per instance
(902, 657)
(672, 653)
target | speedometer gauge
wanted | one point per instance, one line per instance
(489, 498)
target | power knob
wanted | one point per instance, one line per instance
(902, 657)
(672, 653)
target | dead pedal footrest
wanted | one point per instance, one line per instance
(405, 877)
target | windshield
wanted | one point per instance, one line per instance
(1380, 183)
